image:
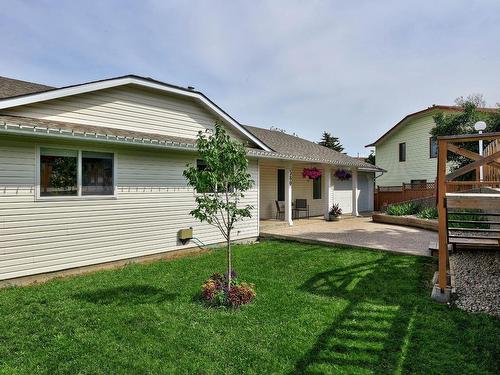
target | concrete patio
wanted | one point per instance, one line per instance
(353, 231)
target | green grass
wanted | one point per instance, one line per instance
(318, 310)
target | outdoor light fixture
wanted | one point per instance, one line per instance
(480, 126)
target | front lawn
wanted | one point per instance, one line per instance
(318, 310)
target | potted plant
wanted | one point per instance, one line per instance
(334, 213)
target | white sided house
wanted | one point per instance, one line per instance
(92, 173)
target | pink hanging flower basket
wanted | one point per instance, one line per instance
(312, 173)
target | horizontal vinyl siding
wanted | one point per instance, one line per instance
(153, 203)
(418, 165)
(342, 194)
(126, 107)
(302, 188)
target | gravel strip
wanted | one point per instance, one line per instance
(477, 280)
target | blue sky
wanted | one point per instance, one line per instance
(353, 68)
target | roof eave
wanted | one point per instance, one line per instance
(278, 156)
(419, 113)
(51, 133)
(38, 131)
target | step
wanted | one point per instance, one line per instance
(485, 201)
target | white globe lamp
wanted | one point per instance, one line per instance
(480, 126)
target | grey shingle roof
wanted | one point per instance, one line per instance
(296, 148)
(13, 87)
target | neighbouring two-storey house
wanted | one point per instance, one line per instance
(407, 151)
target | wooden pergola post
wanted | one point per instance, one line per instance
(441, 194)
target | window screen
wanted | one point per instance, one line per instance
(58, 172)
(97, 173)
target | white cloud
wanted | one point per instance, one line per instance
(354, 68)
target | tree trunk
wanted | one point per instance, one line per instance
(229, 262)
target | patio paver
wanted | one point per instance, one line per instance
(359, 232)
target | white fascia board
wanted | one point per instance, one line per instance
(32, 131)
(94, 86)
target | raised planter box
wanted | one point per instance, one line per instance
(409, 221)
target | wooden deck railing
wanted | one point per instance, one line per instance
(491, 173)
(478, 197)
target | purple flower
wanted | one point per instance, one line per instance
(342, 174)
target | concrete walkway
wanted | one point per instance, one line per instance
(359, 232)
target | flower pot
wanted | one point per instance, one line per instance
(334, 218)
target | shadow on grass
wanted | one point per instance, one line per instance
(126, 295)
(371, 334)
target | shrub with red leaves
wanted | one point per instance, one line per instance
(241, 295)
(216, 293)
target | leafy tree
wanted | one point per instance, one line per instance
(220, 184)
(476, 99)
(463, 123)
(371, 158)
(330, 141)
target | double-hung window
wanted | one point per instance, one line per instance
(75, 173)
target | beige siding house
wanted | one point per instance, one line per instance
(123, 143)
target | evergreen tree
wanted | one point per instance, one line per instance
(330, 141)
(371, 158)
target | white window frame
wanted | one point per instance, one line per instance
(79, 195)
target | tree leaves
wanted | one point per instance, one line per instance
(463, 123)
(221, 184)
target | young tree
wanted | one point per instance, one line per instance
(220, 184)
(330, 141)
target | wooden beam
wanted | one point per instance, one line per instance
(473, 201)
(442, 217)
(470, 137)
(468, 154)
(470, 167)
(478, 183)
